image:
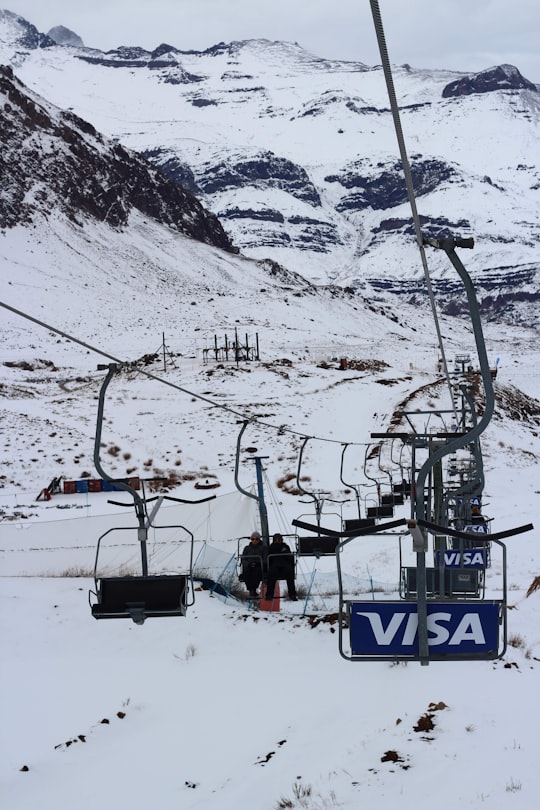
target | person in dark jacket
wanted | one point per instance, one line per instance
(253, 564)
(280, 566)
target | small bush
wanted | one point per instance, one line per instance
(534, 586)
(304, 798)
(513, 786)
(76, 572)
(516, 641)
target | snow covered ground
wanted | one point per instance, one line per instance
(229, 707)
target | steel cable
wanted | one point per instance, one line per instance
(377, 20)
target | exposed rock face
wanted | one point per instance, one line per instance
(63, 36)
(52, 159)
(437, 227)
(497, 299)
(502, 77)
(386, 188)
(264, 171)
(25, 35)
(164, 56)
(169, 164)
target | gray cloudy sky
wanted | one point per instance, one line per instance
(462, 35)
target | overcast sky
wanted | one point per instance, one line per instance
(465, 35)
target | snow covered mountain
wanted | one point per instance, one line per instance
(297, 157)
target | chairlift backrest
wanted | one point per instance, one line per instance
(380, 511)
(358, 523)
(392, 499)
(317, 546)
(457, 582)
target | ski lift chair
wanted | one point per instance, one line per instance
(145, 595)
(141, 596)
(138, 598)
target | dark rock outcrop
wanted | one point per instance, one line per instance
(27, 36)
(55, 160)
(386, 188)
(313, 234)
(498, 300)
(170, 165)
(265, 215)
(265, 170)
(501, 77)
(436, 227)
(164, 57)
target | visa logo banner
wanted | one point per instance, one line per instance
(477, 528)
(454, 628)
(472, 558)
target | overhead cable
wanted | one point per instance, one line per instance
(377, 20)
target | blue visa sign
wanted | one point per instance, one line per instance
(472, 558)
(454, 628)
(476, 528)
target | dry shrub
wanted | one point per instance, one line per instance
(516, 641)
(534, 586)
(425, 723)
(391, 756)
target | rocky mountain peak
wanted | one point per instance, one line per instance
(64, 36)
(500, 77)
(19, 33)
(52, 159)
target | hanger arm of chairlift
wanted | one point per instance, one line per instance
(119, 503)
(481, 538)
(185, 500)
(166, 498)
(312, 495)
(368, 530)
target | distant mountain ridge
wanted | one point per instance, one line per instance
(296, 154)
(64, 36)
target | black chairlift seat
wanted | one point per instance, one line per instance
(380, 511)
(139, 598)
(317, 546)
(457, 582)
(358, 523)
(392, 499)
